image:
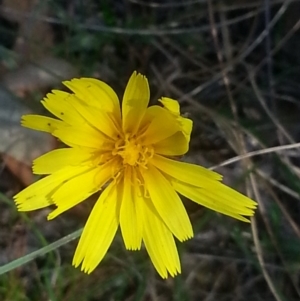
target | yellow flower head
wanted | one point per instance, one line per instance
(127, 153)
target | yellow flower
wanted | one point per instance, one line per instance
(128, 154)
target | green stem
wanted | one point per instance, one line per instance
(29, 257)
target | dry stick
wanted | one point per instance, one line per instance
(248, 286)
(261, 260)
(269, 229)
(261, 100)
(229, 259)
(231, 7)
(166, 5)
(275, 244)
(223, 72)
(269, 57)
(279, 126)
(279, 45)
(212, 294)
(270, 78)
(293, 225)
(162, 79)
(245, 54)
(215, 115)
(281, 132)
(166, 53)
(239, 141)
(242, 148)
(250, 37)
(186, 54)
(257, 244)
(275, 149)
(226, 36)
(121, 30)
(249, 5)
(261, 204)
(285, 189)
(278, 185)
(251, 154)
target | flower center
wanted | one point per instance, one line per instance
(132, 152)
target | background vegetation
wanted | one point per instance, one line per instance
(234, 67)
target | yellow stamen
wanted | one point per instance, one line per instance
(132, 152)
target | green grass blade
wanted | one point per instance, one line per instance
(27, 258)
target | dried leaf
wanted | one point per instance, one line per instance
(19, 145)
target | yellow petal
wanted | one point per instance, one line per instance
(87, 183)
(99, 230)
(60, 158)
(203, 178)
(167, 203)
(77, 189)
(33, 201)
(37, 195)
(231, 196)
(130, 219)
(170, 104)
(185, 124)
(135, 102)
(79, 136)
(95, 93)
(176, 145)
(41, 123)
(99, 119)
(235, 208)
(160, 243)
(75, 112)
(59, 104)
(159, 123)
(185, 172)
